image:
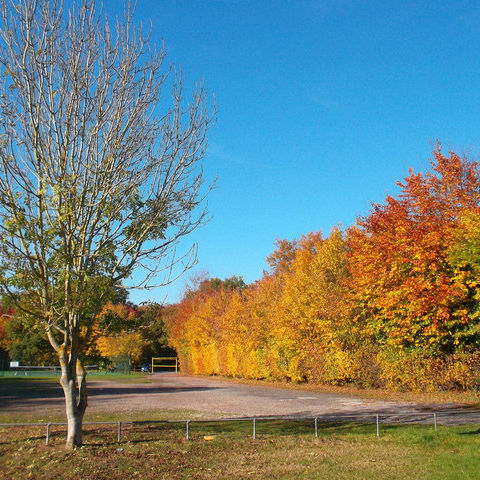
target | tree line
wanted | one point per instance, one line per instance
(122, 332)
(392, 301)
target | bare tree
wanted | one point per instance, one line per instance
(100, 173)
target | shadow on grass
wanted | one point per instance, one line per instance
(11, 437)
(474, 432)
(280, 428)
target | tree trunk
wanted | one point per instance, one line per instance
(74, 431)
(74, 386)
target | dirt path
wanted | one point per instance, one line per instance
(213, 396)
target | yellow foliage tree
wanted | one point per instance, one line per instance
(113, 333)
(309, 316)
(130, 344)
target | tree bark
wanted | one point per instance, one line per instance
(74, 384)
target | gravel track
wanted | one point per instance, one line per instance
(224, 398)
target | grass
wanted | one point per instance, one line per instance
(283, 450)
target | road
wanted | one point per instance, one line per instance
(210, 396)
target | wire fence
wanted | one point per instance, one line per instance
(433, 418)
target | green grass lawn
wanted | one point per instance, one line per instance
(282, 450)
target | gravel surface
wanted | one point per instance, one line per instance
(221, 398)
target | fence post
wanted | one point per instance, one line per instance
(435, 420)
(188, 429)
(316, 427)
(47, 438)
(254, 428)
(378, 427)
(119, 432)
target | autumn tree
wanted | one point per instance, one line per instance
(394, 301)
(406, 290)
(138, 332)
(195, 325)
(99, 172)
(464, 257)
(115, 332)
(251, 341)
(311, 308)
(281, 259)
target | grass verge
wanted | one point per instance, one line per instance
(282, 450)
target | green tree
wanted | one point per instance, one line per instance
(154, 332)
(231, 283)
(99, 173)
(29, 345)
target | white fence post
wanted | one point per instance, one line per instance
(47, 439)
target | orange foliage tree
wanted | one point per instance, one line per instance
(404, 286)
(408, 294)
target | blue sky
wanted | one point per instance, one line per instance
(322, 106)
